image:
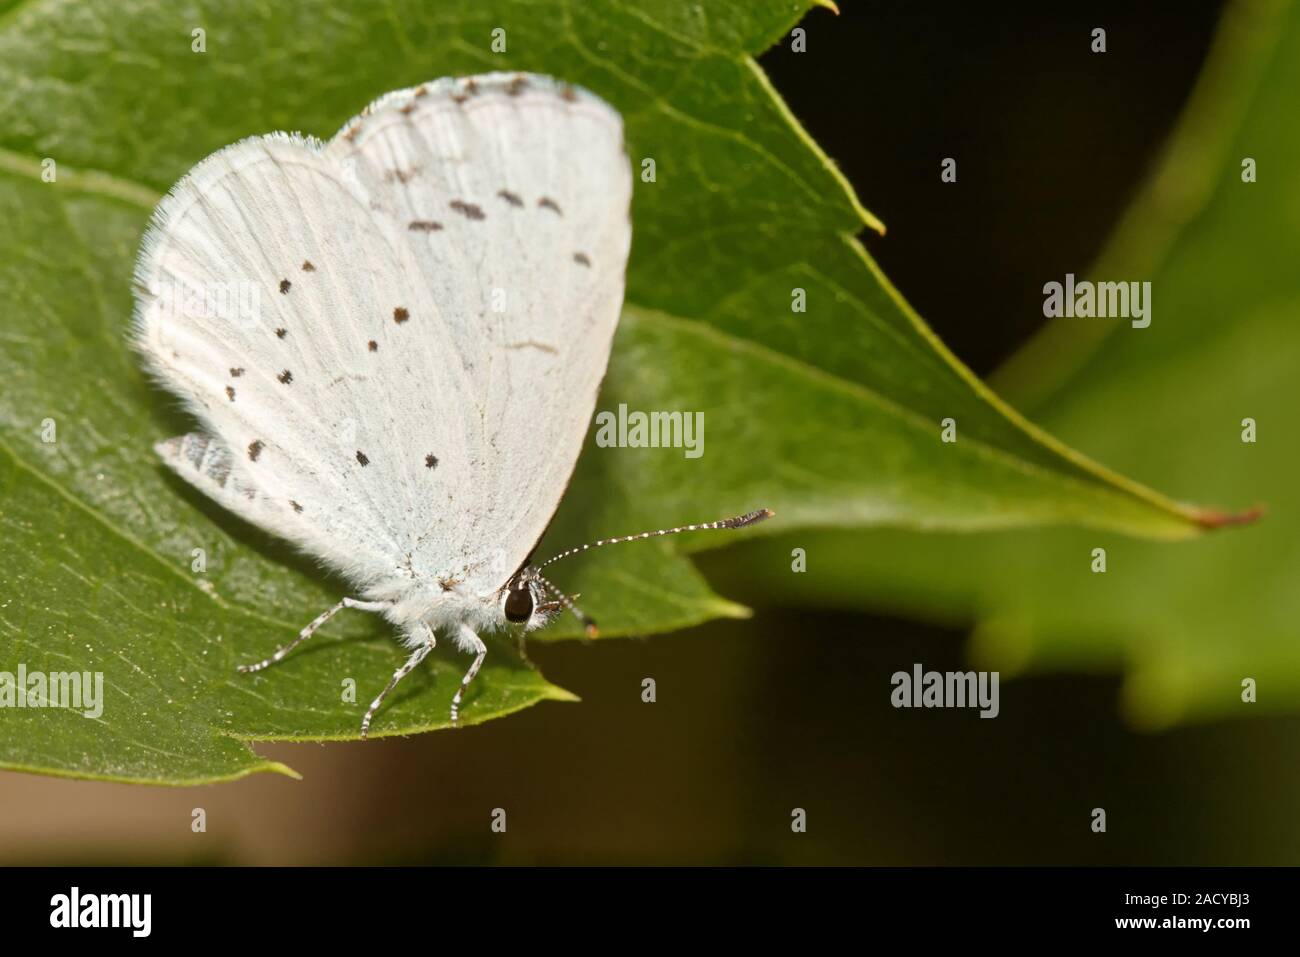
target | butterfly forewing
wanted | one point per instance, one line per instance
(394, 341)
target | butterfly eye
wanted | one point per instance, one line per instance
(519, 605)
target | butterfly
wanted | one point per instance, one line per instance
(393, 343)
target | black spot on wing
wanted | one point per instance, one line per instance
(547, 203)
(361, 457)
(255, 449)
(281, 332)
(236, 373)
(424, 226)
(296, 506)
(372, 346)
(307, 266)
(581, 259)
(400, 315)
(468, 210)
(285, 285)
(511, 198)
(430, 461)
(230, 391)
(286, 377)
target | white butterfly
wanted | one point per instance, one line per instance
(394, 340)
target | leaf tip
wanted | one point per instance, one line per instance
(556, 693)
(731, 609)
(1212, 518)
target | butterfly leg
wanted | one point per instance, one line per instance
(416, 657)
(475, 643)
(311, 630)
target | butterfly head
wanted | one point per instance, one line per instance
(524, 598)
(530, 601)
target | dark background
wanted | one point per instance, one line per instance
(1051, 140)
(791, 708)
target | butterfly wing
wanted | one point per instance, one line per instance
(394, 340)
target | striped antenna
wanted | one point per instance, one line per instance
(740, 521)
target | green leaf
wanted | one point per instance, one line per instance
(1187, 623)
(826, 415)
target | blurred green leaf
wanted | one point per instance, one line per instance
(828, 415)
(1187, 623)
